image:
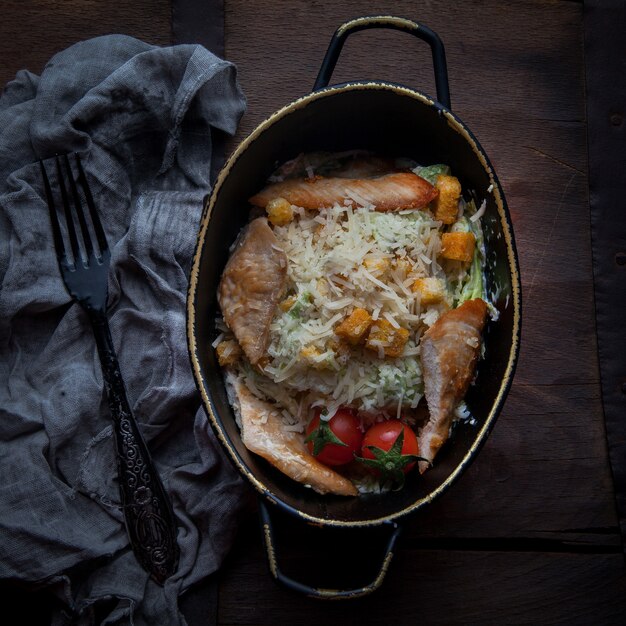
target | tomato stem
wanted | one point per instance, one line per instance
(322, 436)
(391, 463)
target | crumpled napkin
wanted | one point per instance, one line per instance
(146, 120)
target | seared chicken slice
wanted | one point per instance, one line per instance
(263, 432)
(251, 286)
(392, 192)
(450, 349)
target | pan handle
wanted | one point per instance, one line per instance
(327, 594)
(395, 23)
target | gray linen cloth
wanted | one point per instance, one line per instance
(146, 120)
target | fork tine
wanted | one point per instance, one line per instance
(80, 211)
(54, 218)
(67, 210)
(95, 219)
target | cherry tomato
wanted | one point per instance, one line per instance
(378, 447)
(334, 442)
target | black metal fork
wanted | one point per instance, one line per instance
(84, 266)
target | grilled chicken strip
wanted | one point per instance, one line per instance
(263, 433)
(392, 192)
(251, 286)
(450, 349)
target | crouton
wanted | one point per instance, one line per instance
(228, 352)
(446, 205)
(377, 266)
(403, 265)
(279, 211)
(458, 246)
(340, 349)
(384, 335)
(354, 328)
(432, 290)
(315, 358)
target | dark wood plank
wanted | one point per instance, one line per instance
(489, 45)
(199, 21)
(31, 32)
(605, 51)
(437, 586)
(521, 487)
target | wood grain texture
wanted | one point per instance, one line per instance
(427, 585)
(31, 32)
(605, 54)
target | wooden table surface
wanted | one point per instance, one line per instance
(529, 534)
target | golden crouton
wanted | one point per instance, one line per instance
(432, 290)
(384, 335)
(341, 350)
(377, 266)
(446, 205)
(403, 265)
(312, 354)
(355, 326)
(458, 246)
(228, 352)
(279, 211)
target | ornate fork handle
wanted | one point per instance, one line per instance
(148, 514)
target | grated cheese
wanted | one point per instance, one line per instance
(479, 213)
(341, 258)
(218, 340)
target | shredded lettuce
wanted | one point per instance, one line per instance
(301, 303)
(430, 172)
(473, 286)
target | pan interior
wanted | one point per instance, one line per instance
(394, 122)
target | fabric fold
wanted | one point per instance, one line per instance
(144, 119)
